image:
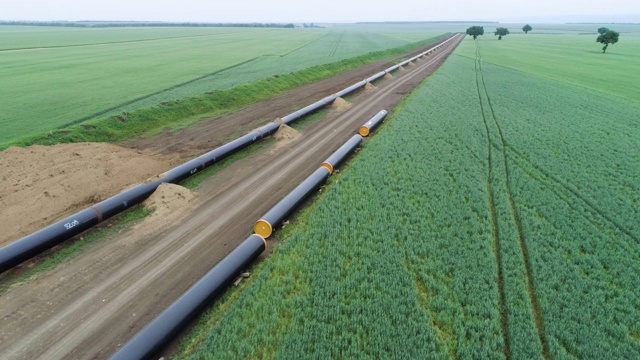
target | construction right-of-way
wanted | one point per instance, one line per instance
(97, 301)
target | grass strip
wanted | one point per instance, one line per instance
(183, 112)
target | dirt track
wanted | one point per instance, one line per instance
(92, 304)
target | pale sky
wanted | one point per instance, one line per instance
(284, 11)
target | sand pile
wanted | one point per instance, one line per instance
(369, 86)
(388, 76)
(340, 104)
(168, 199)
(401, 68)
(42, 184)
(286, 132)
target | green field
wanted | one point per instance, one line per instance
(495, 215)
(54, 77)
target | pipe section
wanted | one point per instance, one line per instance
(238, 144)
(372, 123)
(43, 239)
(148, 341)
(264, 226)
(339, 155)
(376, 76)
(351, 88)
(288, 119)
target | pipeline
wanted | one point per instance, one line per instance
(366, 128)
(264, 226)
(148, 341)
(376, 76)
(339, 155)
(426, 52)
(288, 119)
(351, 88)
(191, 167)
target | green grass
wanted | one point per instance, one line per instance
(180, 113)
(74, 75)
(574, 59)
(498, 208)
(68, 251)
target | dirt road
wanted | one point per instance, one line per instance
(89, 306)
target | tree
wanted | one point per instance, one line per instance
(475, 31)
(500, 32)
(602, 30)
(609, 37)
(527, 28)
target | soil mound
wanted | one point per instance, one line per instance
(168, 199)
(340, 104)
(286, 132)
(42, 184)
(388, 76)
(401, 68)
(369, 86)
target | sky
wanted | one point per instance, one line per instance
(327, 11)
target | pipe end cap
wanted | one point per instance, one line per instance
(263, 228)
(364, 131)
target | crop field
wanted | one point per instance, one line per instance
(494, 216)
(54, 77)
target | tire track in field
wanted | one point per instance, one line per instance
(531, 290)
(495, 230)
(335, 47)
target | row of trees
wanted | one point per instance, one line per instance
(476, 31)
(606, 36)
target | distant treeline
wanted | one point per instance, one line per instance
(427, 22)
(104, 24)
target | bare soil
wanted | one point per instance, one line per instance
(42, 184)
(92, 304)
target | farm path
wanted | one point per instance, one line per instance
(92, 304)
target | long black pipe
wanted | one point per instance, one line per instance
(264, 226)
(148, 341)
(339, 155)
(366, 128)
(351, 88)
(191, 167)
(46, 238)
(376, 76)
(288, 119)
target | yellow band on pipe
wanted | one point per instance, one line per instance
(327, 166)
